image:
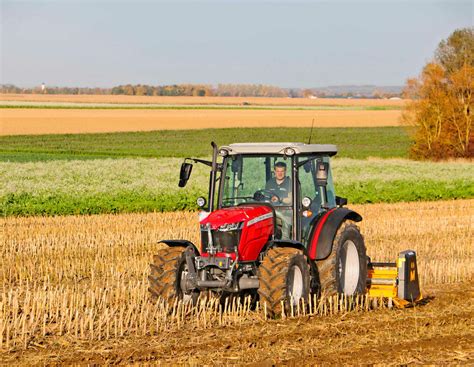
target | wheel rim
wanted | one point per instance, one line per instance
(351, 269)
(297, 285)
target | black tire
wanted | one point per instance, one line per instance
(166, 275)
(339, 272)
(277, 280)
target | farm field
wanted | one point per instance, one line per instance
(73, 290)
(184, 100)
(60, 187)
(25, 121)
(360, 143)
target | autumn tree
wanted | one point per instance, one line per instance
(440, 113)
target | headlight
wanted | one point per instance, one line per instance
(289, 151)
(306, 201)
(230, 227)
(201, 202)
(223, 152)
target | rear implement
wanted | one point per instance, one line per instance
(396, 281)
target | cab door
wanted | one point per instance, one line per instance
(309, 188)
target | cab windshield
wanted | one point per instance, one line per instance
(257, 179)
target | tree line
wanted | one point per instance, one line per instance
(441, 112)
(205, 90)
(201, 90)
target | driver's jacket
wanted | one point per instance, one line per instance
(282, 190)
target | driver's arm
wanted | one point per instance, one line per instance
(286, 200)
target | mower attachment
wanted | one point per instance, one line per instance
(397, 281)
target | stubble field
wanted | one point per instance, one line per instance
(73, 290)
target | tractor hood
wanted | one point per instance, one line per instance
(250, 214)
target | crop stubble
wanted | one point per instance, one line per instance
(80, 282)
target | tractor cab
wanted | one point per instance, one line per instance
(293, 178)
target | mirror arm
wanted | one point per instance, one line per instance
(196, 160)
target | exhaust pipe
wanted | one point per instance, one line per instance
(248, 283)
(211, 283)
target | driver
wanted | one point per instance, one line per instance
(280, 184)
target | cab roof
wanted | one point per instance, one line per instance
(279, 148)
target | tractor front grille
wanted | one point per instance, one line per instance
(226, 241)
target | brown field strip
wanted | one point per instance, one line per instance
(257, 101)
(69, 121)
(73, 290)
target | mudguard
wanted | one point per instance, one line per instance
(288, 243)
(181, 243)
(324, 231)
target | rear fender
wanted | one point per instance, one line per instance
(181, 243)
(324, 231)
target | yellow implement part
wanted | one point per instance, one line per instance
(383, 273)
(382, 282)
(383, 291)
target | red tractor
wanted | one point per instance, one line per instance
(272, 226)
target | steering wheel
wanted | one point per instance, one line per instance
(265, 195)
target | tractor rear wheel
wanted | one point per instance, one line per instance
(345, 269)
(284, 276)
(168, 276)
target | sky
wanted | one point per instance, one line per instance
(293, 44)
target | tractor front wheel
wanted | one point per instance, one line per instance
(345, 269)
(284, 278)
(169, 274)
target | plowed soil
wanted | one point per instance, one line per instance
(19, 121)
(440, 332)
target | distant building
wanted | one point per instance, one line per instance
(43, 87)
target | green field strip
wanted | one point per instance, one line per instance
(385, 142)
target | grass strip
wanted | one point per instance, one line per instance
(26, 204)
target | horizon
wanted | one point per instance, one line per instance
(303, 45)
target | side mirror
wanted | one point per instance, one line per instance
(236, 164)
(322, 171)
(184, 174)
(341, 201)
